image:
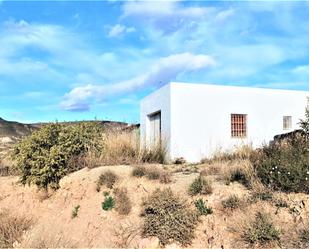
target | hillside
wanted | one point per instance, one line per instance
(14, 129)
(52, 224)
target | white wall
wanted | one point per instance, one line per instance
(195, 118)
(200, 116)
(157, 101)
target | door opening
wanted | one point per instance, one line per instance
(155, 128)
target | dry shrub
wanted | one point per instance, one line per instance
(153, 173)
(200, 186)
(212, 169)
(169, 218)
(12, 228)
(242, 172)
(165, 177)
(45, 240)
(108, 179)
(232, 202)
(126, 233)
(261, 230)
(123, 202)
(139, 171)
(156, 154)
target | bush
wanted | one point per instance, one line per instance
(108, 179)
(202, 208)
(123, 203)
(238, 176)
(165, 177)
(139, 171)
(261, 230)
(153, 173)
(169, 218)
(43, 157)
(108, 203)
(12, 228)
(284, 165)
(200, 186)
(232, 202)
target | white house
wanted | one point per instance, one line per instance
(195, 121)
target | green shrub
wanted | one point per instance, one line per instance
(43, 157)
(200, 186)
(284, 165)
(123, 202)
(202, 208)
(108, 179)
(139, 171)
(261, 230)
(169, 218)
(108, 203)
(232, 202)
(75, 211)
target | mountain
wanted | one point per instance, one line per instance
(15, 129)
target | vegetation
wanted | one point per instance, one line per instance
(139, 171)
(108, 179)
(200, 186)
(108, 203)
(261, 230)
(75, 211)
(43, 157)
(284, 165)
(169, 218)
(202, 208)
(123, 202)
(232, 202)
(304, 235)
(12, 228)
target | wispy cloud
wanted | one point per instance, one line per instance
(119, 30)
(161, 72)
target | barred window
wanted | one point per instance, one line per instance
(287, 122)
(239, 125)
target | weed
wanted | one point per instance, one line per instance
(139, 171)
(232, 202)
(261, 230)
(123, 202)
(200, 186)
(169, 218)
(108, 179)
(202, 208)
(75, 211)
(108, 203)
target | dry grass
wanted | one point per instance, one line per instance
(153, 173)
(121, 148)
(12, 228)
(123, 202)
(240, 153)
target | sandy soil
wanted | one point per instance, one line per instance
(93, 227)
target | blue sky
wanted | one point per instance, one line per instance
(74, 60)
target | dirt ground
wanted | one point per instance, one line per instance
(53, 225)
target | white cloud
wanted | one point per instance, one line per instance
(119, 30)
(161, 72)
